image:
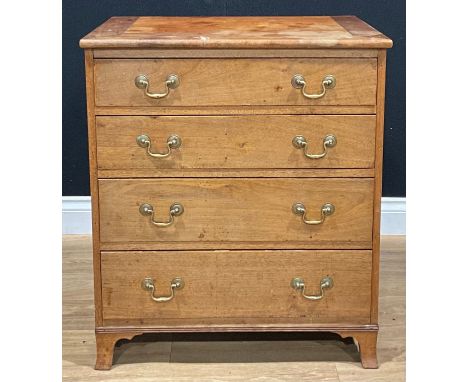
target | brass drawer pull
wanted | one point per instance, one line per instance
(148, 284)
(298, 283)
(173, 142)
(327, 210)
(142, 82)
(299, 82)
(300, 142)
(176, 209)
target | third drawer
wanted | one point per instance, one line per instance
(236, 213)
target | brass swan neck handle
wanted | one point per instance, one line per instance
(176, 209)
(300, 142)
(148, 284)
(326, 210)
(298, 284)
(172, 142)
(142, 82)
(298, 82)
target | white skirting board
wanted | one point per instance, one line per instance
(76, 215)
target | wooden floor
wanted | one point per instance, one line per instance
(230, 357)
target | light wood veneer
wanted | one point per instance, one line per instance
(261, 288)
(227, 82)
(235, 142)
(223, 210)
(237, 245)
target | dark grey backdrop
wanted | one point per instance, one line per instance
(80, 17)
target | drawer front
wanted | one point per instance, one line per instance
(223, 211)
(237, 284)
(222, 142)
(222, 82)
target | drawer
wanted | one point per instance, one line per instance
(238, 285)
(224, 211)
(222, 82)
(220, 142)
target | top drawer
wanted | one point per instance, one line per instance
(243, 82)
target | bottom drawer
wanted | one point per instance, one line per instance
(220, 285)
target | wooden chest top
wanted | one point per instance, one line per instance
(236, 32)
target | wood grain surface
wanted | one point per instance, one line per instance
(221, 211)
(237, 53)
(378, 183)
(93, 179)
(236, 32)
(231, 142)
(219, 82)
(239, 173)
(237, 284)
(233, 110)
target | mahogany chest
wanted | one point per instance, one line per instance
(235, 168)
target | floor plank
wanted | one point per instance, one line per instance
(230, 356)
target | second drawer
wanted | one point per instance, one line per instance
(225, 212)
(220, 142)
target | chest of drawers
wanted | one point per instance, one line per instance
(235, 171)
